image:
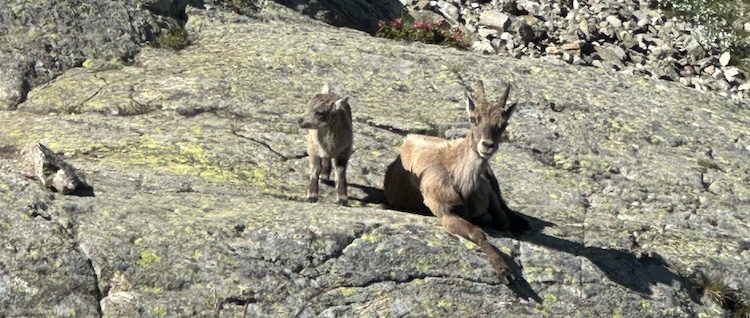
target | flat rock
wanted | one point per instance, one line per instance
(200, 175)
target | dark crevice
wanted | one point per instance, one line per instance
(397, 131)
(358, 233)
(71, 233)
(97, 291)
(238, 301)
(267, 146)
(79, 106)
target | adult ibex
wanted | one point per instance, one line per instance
(453, 180)
(329, 120)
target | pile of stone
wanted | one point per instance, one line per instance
(625, 36)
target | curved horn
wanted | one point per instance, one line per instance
(504, 98)
(479, 92)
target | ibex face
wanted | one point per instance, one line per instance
(488, 121)
(321, 109)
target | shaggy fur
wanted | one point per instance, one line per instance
(452, 179)
(330, 137)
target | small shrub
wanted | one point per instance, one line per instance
(407, 29)
(718, 291)
(176, 39)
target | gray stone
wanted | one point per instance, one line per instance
(449, 10)
(614, 21)
(487, 33)
(483, 46)
(495, 19)
(198, 211)
(12, 75)
(525, 32)
(724, 59)
(627, 39)
(694, 50)
(722, 85)
(506, 36)
(640, 15)
(732, 73)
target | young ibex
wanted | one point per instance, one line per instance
(330, 137)
(452, 179)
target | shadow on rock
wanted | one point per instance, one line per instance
(356, 14)
(372, 195)
(83, 191)
(637, 273)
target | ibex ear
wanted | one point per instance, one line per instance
(326, 89)
(342, 102)
(470, 106)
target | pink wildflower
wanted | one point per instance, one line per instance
(420, 24)
(396, 22)
(380, 23)
(458, 36)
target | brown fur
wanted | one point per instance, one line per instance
(329, 140)
(452, 179)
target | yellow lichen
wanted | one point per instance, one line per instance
(348, 292)
(148, 257)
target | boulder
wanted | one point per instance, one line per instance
(633, 187)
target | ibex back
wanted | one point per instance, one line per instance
(329, 120)
(452, 179)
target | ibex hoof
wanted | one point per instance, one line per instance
(342, 201)
(500, 267)
(326, 177)
(312, 199)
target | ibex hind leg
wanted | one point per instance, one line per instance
(325, 173)
(513, 221)
(516, 223)
(340, 163)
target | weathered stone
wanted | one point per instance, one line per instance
(495, 19)
(732, 73)
(723, 85)
(724, 59)
(524, 31)
(198, 208)
(640, 15)
(51, 36)
(448, 10)
(487, 33)
(627, 39)
(612, 54)
(614, 21)
(694, 50)
(13, 90)
(484, 46)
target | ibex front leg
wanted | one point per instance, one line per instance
(315, 168)
(340, 163)
(459, 226)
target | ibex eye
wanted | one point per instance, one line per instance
(473, 120)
